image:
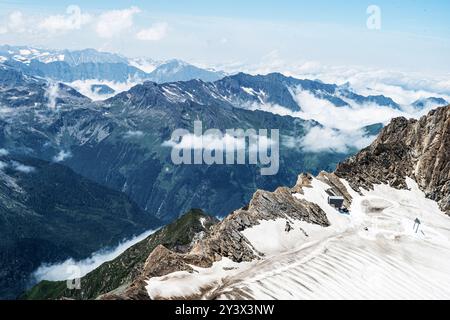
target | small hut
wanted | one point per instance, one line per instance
(336, 201)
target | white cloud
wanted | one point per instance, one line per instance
(207, 142)
(218, 142)
(344, 118)
(21, 167)
(73, 20)
(3, 152)
(342, 126)
(113, 23)
(85, 87)
(322, 139)
(156, 32)
(62, 155)
(51, 93)
(3, 165)
(403, 87)
(62, 271)
(16, 21)
(134, 134)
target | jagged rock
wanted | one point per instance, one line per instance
(303, 181)
(337, 187)
(419, 149)
(224, 239)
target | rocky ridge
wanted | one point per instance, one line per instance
(419, 149)
(225, 239)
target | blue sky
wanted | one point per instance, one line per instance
(401, 15)
(414, 35)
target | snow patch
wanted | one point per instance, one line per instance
(24, 52)
(249, 91)
(270, 237)
(375, 253)
(21, 59)
(202, 222)
(185, 284)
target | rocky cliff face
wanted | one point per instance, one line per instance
(419, 149)
(226, 239)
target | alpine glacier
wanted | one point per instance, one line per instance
(373, 253)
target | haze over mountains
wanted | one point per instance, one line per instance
(119, 142)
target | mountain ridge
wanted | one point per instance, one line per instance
(89, 64)
(424, 160)
(119, 143)
(220, 262)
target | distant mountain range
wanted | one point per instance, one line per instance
(119, 142)
(245, 90)
(69, 66)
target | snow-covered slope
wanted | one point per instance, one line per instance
(373, 253)
(394, 243)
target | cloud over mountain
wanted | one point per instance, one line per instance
(113, 23)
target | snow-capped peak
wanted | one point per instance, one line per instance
(147, 65)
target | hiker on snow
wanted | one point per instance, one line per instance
(288, 227)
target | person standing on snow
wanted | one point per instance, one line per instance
(288, 227)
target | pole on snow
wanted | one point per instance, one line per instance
(416, 223)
